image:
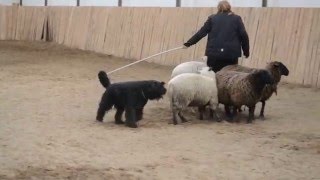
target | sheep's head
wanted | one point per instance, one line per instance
(281, 68)
(207, 71)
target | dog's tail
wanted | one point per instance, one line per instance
(103, 78)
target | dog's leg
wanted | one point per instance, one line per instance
(139, 113)
(131, 117)
(130, 110)
(118, 116)
(262, 110)
(104, 106)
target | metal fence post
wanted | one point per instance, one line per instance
(178, 3)
(264, 3)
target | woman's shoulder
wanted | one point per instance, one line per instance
(229, 14)
(235, 15)
(211, 16)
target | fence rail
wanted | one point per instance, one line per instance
(290, 35)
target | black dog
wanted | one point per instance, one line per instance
(130, 97)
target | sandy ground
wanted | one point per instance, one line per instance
(48, 101)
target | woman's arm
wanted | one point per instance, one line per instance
(243, 38)
(205, 29)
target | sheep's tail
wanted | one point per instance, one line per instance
(170, 94)
(104, 80)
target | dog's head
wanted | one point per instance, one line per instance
(154, 90)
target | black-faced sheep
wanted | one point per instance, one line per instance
(275, 68)
(239, 88)
(193, 90)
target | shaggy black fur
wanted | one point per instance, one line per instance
(261, 79)
(129, 97)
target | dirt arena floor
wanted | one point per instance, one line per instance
(48, 101)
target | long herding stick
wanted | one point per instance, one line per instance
(173, 49)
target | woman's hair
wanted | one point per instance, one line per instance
(224, 6)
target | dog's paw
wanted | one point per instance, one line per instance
(99, 120)
(119, 122)
(132, 125)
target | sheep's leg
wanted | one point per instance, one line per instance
(183, 119)
(235, 113)
(175, 110)
(251, 114)
(262, 110)
(211, 113)
(228, 113)
(213, 110)
(201, 110)
(175, 117)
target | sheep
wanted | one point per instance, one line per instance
(275, 68)
(193, 90)
(189, 67)
(239, 88)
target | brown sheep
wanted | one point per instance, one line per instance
(239, 88)
(275, 68)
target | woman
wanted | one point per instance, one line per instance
(226, 36)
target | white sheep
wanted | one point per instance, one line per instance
(193, 90)
(189, 67)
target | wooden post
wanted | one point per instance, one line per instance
(264, 3)
(45, 2)
(78, 2)
(20, 2)
(178, 3)
(119, 3)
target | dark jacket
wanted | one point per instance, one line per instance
(226, 36)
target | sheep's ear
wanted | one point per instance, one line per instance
(277, 64)
(163, 83)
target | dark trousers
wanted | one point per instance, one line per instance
(217, 64)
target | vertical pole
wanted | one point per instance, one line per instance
(178, 3)
(78, 2)
(45, 2)
(264, 3)
(20, 3)
(119, 3)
